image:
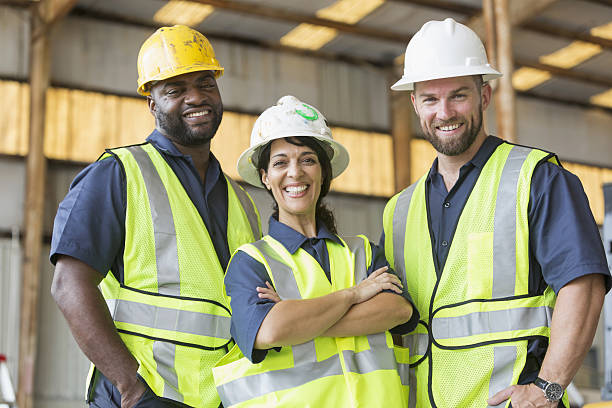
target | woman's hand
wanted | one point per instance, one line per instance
(378, 281)
(268, 293)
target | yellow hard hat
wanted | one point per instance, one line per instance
(173, 51)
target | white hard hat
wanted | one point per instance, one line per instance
(444, 49)
(288, 118)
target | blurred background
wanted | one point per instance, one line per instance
(68, 91)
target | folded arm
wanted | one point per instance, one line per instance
(297, 321)
(380, 313)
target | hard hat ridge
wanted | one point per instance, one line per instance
(444, 49)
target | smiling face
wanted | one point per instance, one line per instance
(450, 111)
(187, 108)
(294, 176)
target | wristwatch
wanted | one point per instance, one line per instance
(552, 391)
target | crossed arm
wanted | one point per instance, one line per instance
(360, 310)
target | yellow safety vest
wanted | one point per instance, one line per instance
(478, 316)
(171, 311)
(358, 371)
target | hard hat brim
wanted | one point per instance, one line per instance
(247, 163)
(406, 83)
(144, 88)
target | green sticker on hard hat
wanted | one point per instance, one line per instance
(313, 113)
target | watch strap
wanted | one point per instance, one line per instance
(540, 383)
(552, 391)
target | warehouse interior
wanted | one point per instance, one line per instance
(68, 80)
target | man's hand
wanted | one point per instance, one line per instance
(131, 393)
(522, 396)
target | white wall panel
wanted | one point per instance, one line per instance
(575, 134)
(10, 295)
(12, 180)
(14, 42)
(96, 55)
(61, 369)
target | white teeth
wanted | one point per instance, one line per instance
(450, 127)
(296, 189)
(198, 114)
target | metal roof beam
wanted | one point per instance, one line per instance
(568, 73)
(443, 5)
(519, 12)
(298, 18)
(557, 31)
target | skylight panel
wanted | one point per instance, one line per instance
(183, 12)
(526, 78)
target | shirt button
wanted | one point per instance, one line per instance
(446, 204)
(444, 243)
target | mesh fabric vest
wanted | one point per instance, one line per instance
(171, 311)
(478, 316)
(358, 371)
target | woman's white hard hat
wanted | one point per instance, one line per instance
(444, 49)
(290, 117)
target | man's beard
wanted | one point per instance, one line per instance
(180, 132)
(457, 146)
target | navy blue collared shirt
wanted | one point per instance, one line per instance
(563, 236)
(90, 221)
(245, 274)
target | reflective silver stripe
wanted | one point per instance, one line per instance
(284, 281)
(377, 357)
(304, 353)
(366, 361)
(356, 246)
(400, 217)
(520, 318)
(417, 343)
(504, 358)
(287, 288)
(164, 355)
(166, 253)
(253, 386)
(404, 373)
(175, 320)
(412, 392)
(504, 231)
(247, 206)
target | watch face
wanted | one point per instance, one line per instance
(553, 392)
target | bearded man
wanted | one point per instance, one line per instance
(154, 225)
(496, 244)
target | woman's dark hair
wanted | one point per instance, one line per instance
(322, 213)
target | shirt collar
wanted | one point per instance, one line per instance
(293, 240)
(480, 158)
(165, 145)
